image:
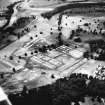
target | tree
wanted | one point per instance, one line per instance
(67, 90)
(96, 87)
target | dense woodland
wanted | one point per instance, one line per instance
(63, 92)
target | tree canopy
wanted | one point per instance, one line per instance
(65, 91)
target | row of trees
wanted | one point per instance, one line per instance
(63, 92)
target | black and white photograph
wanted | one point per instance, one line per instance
(52, 52)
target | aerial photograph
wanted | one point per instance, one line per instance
(52, 52)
